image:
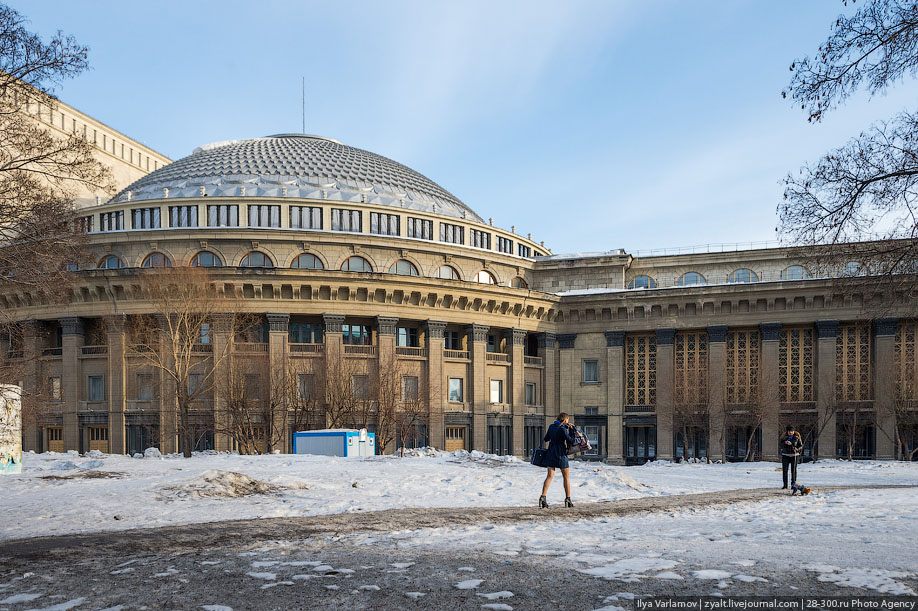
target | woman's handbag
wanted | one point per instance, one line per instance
(538, 457)
(581, 443)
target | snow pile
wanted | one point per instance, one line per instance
(875, 579)
(226, 484)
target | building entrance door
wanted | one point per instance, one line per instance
(640, 444)
(98, 438)
(455, 438)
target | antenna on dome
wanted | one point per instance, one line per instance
(304, 105)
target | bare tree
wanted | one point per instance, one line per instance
(346, 393)
(413, 414)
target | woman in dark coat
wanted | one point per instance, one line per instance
(558, 437)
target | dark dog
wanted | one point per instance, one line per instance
(803, 490)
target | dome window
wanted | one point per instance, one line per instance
(404, 268)
(742, 276)
(642, 282)
(795, 272)
(256, 259)
(485, 277)
(357, 264)
(307, 261)
(447, 272)
(691, 278)
(111, 262)
(157, 259)
(206, 259)
(852, 269)
(519, 283)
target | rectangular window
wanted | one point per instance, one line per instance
(96, 389)
(795, 365)
(305, 217)
(742, 367)
(906, 361)
(497, 391)
(452, 233)
(409, 389)
(421, 229)
(305, 384)
(145, 218)
(195, 383)
(183, 216)
(479, 239)
(492, 343)
(264, 216)
(304, 333)
(111, 221)
(641, 369)
(205, 333)
(531, 398)
(355, 335)
(592, 435)
(144, 386)
(222, 215)
(852, 363)
(590, 370)
(86, 224)
(523, 251)
(452, 340)
(455, 390)
(384, 224)
(346, 220)
(407, 337)
(691, 368)
(54, 387)
(505, 245)
(360, 385)
(591, 411)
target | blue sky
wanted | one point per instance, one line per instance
(592, 124)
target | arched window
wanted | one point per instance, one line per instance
(485, 277)
(642, 282)
(110, 262)
(256, 259)
(357, 264)
(853, 268)
(157, 259)
(447, 273)
(206, 259)
(519, 283)
(690, 278)
(741, 276)
(307, 261)
(404, 268)
(795, 272)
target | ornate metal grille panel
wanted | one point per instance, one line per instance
(795, 365)
(742, 366)
(641, 370)
(691, 368)
(852, 363)
(906, 363)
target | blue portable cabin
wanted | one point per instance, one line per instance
(335, 442)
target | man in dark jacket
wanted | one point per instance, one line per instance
(790, 446)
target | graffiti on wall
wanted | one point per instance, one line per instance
(10, 429)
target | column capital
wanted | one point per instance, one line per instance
(278, 322)
(885, 326)
(567, 340)
(115, 323)
(517, 337)
(771, 331)
(615, 339)
(386, 324)
(547, 340)
(478, 333)
(717, 334)
(71, 325)
(666, 336)
(435, 328)
(826, 329)
(332, 322)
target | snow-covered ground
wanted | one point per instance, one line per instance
(69, 493)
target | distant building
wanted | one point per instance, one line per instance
(350, 255)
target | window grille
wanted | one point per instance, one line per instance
(641, 369)
(742, 367)
(145, 218)
(795, 365)
(305, 217)
(183, 216)
(223, 216)
(384, 224)
(421, 229)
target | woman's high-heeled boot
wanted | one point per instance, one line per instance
(568, 502)
(542, 502)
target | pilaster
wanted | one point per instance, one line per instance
(516, 341)
(615, 362)
(436, 384)
(117, 388)
(768, 393)
(717, 419)
(568, 373)
(826, 406)
(278, 327)
(548, 350)
(72, 342)
(222, 342)
(885, 387)
(478, 347)
(334, 352)
(665, 393)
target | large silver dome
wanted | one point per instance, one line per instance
(298, 166)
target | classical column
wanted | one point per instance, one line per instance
(71, 378)
(666, 380)
(717, 368)
(169, 418)
(117, 385)
(385, 354)
(884, 390)
(767, 391)
(615, 396)
(478, 395)
(222, 346)
(826, 407)
(436, 388)
(334, 351)
(568, 372)
(548, 350)
(516, 338)
(278, 324)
